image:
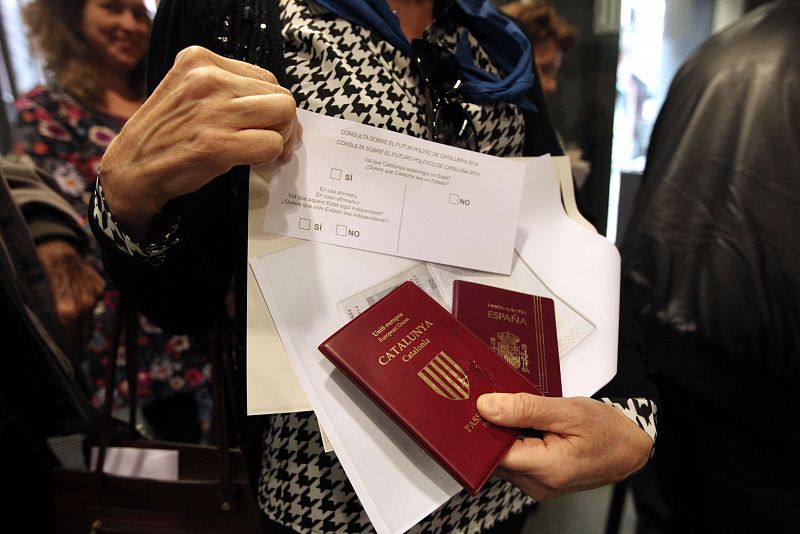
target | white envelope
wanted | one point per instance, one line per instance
(272, 386)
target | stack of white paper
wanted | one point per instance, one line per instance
(312, 288)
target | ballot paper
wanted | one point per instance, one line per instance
(358, 186)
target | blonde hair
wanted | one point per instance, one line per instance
(540, 22)
(54, 31)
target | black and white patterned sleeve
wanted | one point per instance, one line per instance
(151, 252)
(641, 411)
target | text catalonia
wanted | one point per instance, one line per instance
(403, 343)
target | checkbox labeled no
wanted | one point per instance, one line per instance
(341, 230)
(454, 198)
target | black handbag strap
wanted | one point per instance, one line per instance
(220, 349)
(127, 318)
(108, 406)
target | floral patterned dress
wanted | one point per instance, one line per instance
(68, 140)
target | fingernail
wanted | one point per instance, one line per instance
(489, 405)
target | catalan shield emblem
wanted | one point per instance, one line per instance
(444, 376)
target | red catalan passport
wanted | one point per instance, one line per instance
(426, 370)
(519, 327)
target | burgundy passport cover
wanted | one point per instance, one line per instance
(426, 370)
(519, 327)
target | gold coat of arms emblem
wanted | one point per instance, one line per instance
(515, 353)
(445, 377)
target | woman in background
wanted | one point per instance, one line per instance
(550, 34)
(552, 37)
(94, 53)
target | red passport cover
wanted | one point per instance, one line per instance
(519, 327)
(426, 371)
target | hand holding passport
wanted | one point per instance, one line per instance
(426, 370)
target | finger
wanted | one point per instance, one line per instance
(88, 297)
(524, 410)
(68, 311)
(535, 457)
(532, 487)
(98, 286)
(233, 84)
(84, 284)
(294, 138)
(249, 147)
(198, 78)
(536, 469)
(209, 94)
(527, 453)
(75, 303)
(203, 122)
(266, 111)
(196, 56)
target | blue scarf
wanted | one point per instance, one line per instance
(502, 39)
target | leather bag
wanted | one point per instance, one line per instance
(212, 494)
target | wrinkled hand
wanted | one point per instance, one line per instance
(586, 443)
(207, 115)
(76, 286)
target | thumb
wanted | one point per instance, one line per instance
(523, 410)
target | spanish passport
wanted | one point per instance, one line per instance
(519, 327)
(426, 370)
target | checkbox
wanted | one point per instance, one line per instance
(341, 230)
(305, 224)
(336, 174)
(453, 198)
